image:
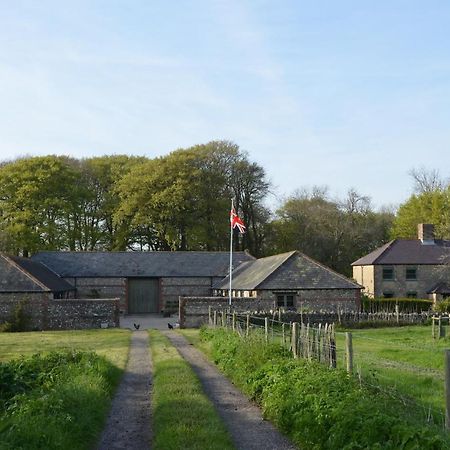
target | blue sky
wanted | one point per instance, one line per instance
(338, 93)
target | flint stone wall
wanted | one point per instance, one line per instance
(193, 311)
(44, 313)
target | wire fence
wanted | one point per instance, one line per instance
(399, 370)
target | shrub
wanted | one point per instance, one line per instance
(320, 408)
(405, 305)
(54, 401)
(18, 322)
(442, 306)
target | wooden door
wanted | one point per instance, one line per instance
(143, 295)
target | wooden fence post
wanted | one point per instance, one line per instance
(433, 328)
(397, 313)
(209, 315)
(233, 323)
(248, 325)
(441, 329)
(266, 328)
(283, 332)
(223, 319)
(349, 352)
(215, 319)
(447, 389)
(294, 339)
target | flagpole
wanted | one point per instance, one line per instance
(231, 255)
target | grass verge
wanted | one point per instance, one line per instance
(55, 401)
(183, 417)
(319, 408)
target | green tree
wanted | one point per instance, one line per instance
(182, 200)
(36, 197)
(432, 206)
(334, 232)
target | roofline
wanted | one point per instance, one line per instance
(139, 251)
(333, 271)
(29, 275)
(288, 256)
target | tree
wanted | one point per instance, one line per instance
(427, 207)
(37, 195)
(335, 233)
(182, 200)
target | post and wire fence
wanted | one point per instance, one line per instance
(359, 354)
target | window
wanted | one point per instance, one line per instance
(388, 273)
(411, 294)
(411, 273)
(285, 300)
(388, 294)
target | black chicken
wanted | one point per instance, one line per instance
(136, 326)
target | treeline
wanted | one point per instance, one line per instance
(181, 201)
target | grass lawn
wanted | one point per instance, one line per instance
(183, 417)
(112, 344)
(407, 358)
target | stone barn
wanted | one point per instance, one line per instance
(292, 280)
(145, 282)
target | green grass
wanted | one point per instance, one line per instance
(56, 401)
(318, 407)
(183, 417)
(406, 358)
(60, 386)
(113, 343)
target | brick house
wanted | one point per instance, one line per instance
(293, 280)
(416, 268)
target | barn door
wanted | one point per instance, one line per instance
(143, 295)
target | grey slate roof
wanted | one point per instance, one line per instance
(440, 288)
(407, 251)
(287, 271)
(140, 264)
(26, 275)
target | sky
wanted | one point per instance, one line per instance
(348, 94)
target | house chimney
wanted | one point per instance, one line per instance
(425, 232)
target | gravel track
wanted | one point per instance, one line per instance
(129, 422)
(243, 419)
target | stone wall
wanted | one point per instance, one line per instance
(320, 299)
(171, 289)
(193, 311)
(34, 307)
(96, 288)
(427, 277)
(43, 313)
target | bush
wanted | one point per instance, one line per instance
(442, 306)
(55, 401)
(318, 407)
(18, 322)
(405, 305)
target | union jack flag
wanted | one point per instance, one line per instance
(236, 221)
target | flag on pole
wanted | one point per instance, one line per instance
(236, 221)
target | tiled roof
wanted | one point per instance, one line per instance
(140, 264)
(440, 288)
(292, 270)
(40, 277)
(408, 251)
